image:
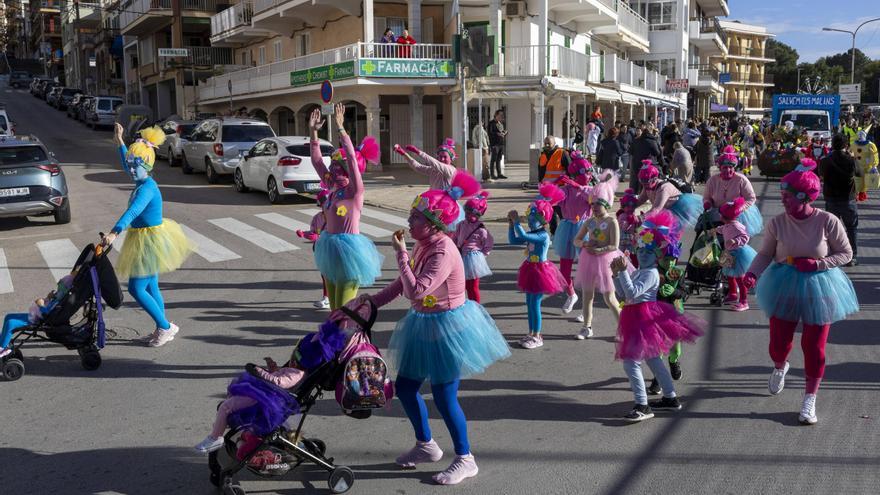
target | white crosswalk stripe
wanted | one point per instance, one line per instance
(60, 255)
(208, 249)
(254, 235)
(385, 217)
(5, 277)
(366, 228)
(283, 221)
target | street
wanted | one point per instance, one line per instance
(543, 421)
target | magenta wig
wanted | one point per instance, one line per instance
(367, 151)
(802, 181)
(729, 149)
(478, 203)
(648, 170)
(440, 207)
(659, 230)
(728, 160)
(630, 198)
(733, 209)
(550, 197)
(579, 165)
(448, 147)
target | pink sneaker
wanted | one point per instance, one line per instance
(462, 467)
(533, 342)
(162, 337)
(423, 452)
(739, 307)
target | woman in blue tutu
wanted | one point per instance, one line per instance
(444, 337)
(728, 185)
(663, 195)
(799, 280)
(738, 255)
(347, 259)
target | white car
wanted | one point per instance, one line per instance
(7, 127)
(280, 166)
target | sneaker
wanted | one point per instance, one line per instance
(162, 337)
(533, 343)
(654, 388)
(808, 410)
(462, 467)
(5, 352)
(422, 452)
(502, 177)
(209, 444)
(322, 304)
(740, 307)
(777, 380)
(579, 318)
(665, 404)
(675, 370)
(569, 303)
(730, 299)
(640, 412)
(585, 333)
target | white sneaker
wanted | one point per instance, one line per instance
(322, 304)
(580, 318)
(162, 337)
(569, 303)
(533, 342)
(585, 333)
(808, 410)
(4, 352)
(777, 380)
(423, 452)
(209, 444)
(462, 467)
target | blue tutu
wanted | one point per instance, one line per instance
(475, 265)
(816, 298)
(687, 209)
(343, 258)
(454, 225)
(563, 240)
(742, 260)
(448, 345)
(274, 404)
(752, 220)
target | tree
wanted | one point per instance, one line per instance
(784, 69)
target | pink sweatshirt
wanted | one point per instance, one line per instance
(576, 205)
(435, 282)
(820, 236)
(318, 223)
(343, 208)
(439, 174)
(719, 191)
(734, 235)
(662, 196)
(473, 237)
(283, 377)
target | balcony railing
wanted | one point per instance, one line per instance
(628, 18)
(132, 10)
(706, 71)
(559, 61)
(749, 77)
(711, 25)
(626, 72)
(393, 50)
(742, 51)
(236, 16)
(211, 55)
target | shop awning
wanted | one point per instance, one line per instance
(564, 86)
(605, 94)
(630, 99)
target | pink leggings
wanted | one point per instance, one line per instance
(565, 265)
(812, 342)
(229, 406)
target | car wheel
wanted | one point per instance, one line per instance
(170, 158)
(238, 179)
(210, 173)
(184, 165)
(272, 188)
(62, 213)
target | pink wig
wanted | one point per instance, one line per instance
(591, 126)
(733, 209)
(728, 160)
(478, 203)
(728, 149)
(604, 193)
(630, 198)
(648, 170)
(367, 151)
(448, 146)
(664, 228)
(802, 181)
(440, 207)
(550, 197)
(579, 165)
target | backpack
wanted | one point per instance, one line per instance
(364, 384)
(682, 186)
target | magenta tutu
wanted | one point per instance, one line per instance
(594, 270)
(650, 329)
(540, 277)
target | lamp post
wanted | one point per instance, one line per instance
(852, 76)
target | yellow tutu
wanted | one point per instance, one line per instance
(153, 250)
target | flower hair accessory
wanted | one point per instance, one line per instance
(448, 147)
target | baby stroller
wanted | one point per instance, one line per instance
(704, 269)
(286, 442)
(95, 281)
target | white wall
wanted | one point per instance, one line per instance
(519, 120)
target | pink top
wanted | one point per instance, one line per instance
(820, 236)
(434, 283)
(283, 377)
(662, 196)
(576, 205)
(343, 207)
(719, 191)
(473, 237)
(439, 174)
(734, 235)
(318, 223)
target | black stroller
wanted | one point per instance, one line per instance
(289, 444)
(94, 281)
(704, 269)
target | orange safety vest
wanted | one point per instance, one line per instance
(553, 165)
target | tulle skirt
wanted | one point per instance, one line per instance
(752, 220)
(687, 209)
(742, 260)
(563, 240)
(150, 251)
(816, 298)
(475, 265)
(650, 329)
(448, 345)
(274, 404)
(347, 258)
(540, 277)
(594, 270)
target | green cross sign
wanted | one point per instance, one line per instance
(367, 67)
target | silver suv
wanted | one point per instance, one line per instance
(215, 144)
(31, 181)
(102, 111)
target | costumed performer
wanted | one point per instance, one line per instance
(474, 242)
(728, 185)
(664, 195)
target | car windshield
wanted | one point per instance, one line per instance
(16, 155)
(807, 121)
(304, 150)
(186, 129)
(69, 91)
(109, 104)
(246, 133)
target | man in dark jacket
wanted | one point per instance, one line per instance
(704, 151)
(610, 151)
(646, 146)
(625, 137)
(497, 137)
(838, 172)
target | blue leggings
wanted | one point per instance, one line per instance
(145, 290)
(533, 305)
(11, 322)
(446, 399)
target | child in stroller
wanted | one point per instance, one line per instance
(703, 270)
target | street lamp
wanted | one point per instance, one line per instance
(852, 76)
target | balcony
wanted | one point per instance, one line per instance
(525, 61)
(715, 7)
(751, 53)
(621, 73)
(751, 79)
(232, 27)
(430, 62)
(708, 36)
(140, 17)
(704, 77)
(286, 16)
(622, 28)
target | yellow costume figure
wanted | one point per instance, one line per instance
(865, 153)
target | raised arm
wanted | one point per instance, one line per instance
(518, 235)
(315, 124)
(355, 181)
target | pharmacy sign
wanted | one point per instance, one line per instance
(380, 67)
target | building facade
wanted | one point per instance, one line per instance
(80, 25)
(745, 62)
(46, 41)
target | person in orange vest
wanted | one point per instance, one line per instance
(553, 161)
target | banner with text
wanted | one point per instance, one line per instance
(375, 67)
(316, 75)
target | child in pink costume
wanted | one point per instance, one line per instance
(738, 254)
(311, 235)
(475, 242)
(575, 210)
(440, 170)
(598, 239)
(663, 195)
(629, 224)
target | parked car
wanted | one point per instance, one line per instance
(7, 127)
(65, 97)
(102, 112)
(85, 104)
(214, 145)
(71, 107)
(31, 181)
(280, 166)
(53, 94)
(35, 83)
(176, 134)
(44, 87)
(19, 79)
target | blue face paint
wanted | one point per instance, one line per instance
(536, 220)
(136, 170)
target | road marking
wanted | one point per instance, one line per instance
(60, 255)
(208, 249)
(5, 277)
(254, 235)
(385, 217)
(365, 228)
(283, 221)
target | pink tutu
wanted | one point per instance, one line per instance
(540, 277)
(650, 329)
(594, 270)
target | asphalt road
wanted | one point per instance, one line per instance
(543, 421)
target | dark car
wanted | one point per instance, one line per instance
(82, 109)
(31, 181)
(72, 106)
(45, 87)
(20, 79)
(65, 97)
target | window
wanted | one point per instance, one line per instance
(244, 60)
(108, 105)
(15, 155)
(277, 46)
(396, 24)
(146, 50)
(245, 133)
(262, 55)
(661, 16)
(304, 150)
(301, 45)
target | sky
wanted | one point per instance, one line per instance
(799, 24)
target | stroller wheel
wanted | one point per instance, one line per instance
(341, 480)
(13, 369)
(214, 466)
(315, 446)
(16, 354)
(233, 490)
(90, 359)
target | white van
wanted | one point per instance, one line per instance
(814, 121)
